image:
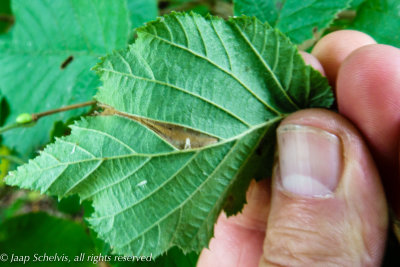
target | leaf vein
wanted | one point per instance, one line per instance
(188, 198)
(154, 191)
(220, 68)
(124, 61)
(50, 155)
(55, 179)
(184, 30)
(201, 36)
(106, 134)
(223, 45)
(120, 180)
(76, 145)
(84, 177)
(267, 67)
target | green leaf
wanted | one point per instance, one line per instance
(45, 63)
(356, 3)
(70, 205)
(381, 20)
(142, 11)
(210, 91)
(40, 233)
(299, 20)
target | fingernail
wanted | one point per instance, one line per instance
(310, 160)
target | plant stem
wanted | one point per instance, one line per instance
(9, 127)
(37, 116)
(12, 159)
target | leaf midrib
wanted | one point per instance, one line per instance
(146, 155)
(180, 90)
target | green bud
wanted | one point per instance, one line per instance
(24, 118)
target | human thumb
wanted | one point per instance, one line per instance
(328, 207)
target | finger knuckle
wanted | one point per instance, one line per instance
(298, 246)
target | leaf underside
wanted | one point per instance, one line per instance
(227, 81)
(299, 20)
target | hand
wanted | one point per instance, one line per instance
(325, 205)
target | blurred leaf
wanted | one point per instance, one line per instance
(299, 20)
(4, 151)
(41, 233)
(4, 162)
(59, 129)
(381, 20)
(201, 9)
(12, 209)
(70, 205)
(142, 11)
(356, 3)
(34, 75)
(16, 202)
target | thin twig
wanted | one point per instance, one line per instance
(9, 127)
(12, 159)
(37, 116)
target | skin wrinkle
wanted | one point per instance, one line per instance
(287, 239)
(362, 156)
(289, 255)
(290, 233)
(370, 246)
